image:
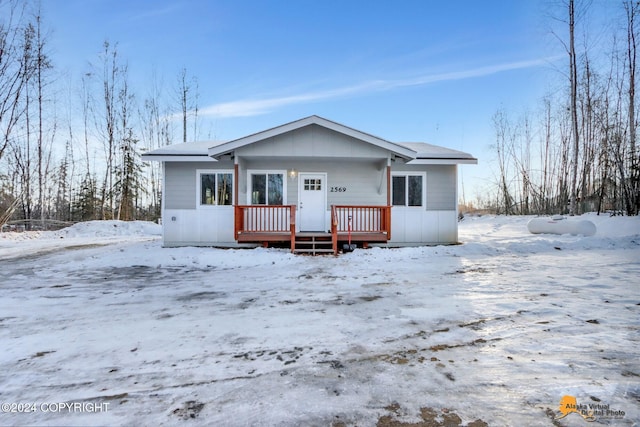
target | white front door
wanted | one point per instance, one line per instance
(312, 205)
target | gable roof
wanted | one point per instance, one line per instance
(397, 149)
(412, 152)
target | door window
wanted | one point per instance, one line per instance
(312, 184)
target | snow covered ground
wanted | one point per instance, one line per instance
(99, 325)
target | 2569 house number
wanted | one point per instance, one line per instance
(338, 189)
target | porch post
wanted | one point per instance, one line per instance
(235, 181)
(388, 208)
(238, 213)
(388, 182)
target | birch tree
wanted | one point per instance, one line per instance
(573, 81)
(13, 69)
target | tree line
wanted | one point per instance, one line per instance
(577, 151)
(75, 155)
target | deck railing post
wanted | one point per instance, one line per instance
(238, 219)
(292, 226)
(334, 229)
(387, 221)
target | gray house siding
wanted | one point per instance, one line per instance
(441, 188)
(312, 141)
(363, 182)
(180, 182)
(441, 184)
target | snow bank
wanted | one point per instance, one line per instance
(110, 228)
(90, 233)
(508, 235)
(89, 229)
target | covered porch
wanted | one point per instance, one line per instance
(271, 225)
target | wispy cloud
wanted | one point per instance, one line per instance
(255, 107)
(157, 11)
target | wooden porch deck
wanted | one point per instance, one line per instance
(271, 225)
(312, 242)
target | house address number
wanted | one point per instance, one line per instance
(338, 189)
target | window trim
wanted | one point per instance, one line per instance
(406, 175)
(199, 173)
(251, 172)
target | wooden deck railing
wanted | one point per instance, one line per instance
(278, 223)
(265, 219)
(364, 219)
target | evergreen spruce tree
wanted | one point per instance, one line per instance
(129, 179)
(85, 207)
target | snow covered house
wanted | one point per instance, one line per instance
(304, 185)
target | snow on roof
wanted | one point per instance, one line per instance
(415, 152)
(430, 151)
(199, 148)
(186, 151)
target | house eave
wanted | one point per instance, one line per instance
(443, 161)
(177, 158)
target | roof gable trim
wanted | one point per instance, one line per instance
(397, 149)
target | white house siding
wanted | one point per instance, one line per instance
(195, 227)
(416, 227)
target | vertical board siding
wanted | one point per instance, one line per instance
(198, 226)
(414, 227)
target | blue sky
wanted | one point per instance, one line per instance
(405, 70)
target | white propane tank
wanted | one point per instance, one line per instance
(558, 224)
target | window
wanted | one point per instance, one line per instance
(399, 190)
(407, 190)
(267, 189)
(215, 188)
(312, 184)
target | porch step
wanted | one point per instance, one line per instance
(314, 251)
(313, 243)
